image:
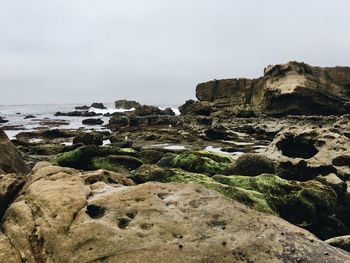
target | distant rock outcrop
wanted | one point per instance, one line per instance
(126, 104)
(292, 88)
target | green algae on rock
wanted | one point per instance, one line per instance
(81, 158)
(116, 162)
(308, 204)
(201, 162)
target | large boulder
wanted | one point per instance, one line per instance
(61, 217)
(201, 162)
(292, 88)
(10, 159)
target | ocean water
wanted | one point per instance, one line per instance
(15, 115)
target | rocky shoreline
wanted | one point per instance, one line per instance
(253, 171)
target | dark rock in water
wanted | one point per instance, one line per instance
(29, 117)
(196, 108)
(78, 114)
(2, 120)
(57, 133)
(84, 107)
(10, 159)
(292, 88)
(91, 138)
(52, 123)
(92, 122)
(98, 106)
(126, 104)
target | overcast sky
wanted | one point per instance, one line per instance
(156, 51)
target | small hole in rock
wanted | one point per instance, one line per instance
(123, 222)
(95, 211)
(131, 215)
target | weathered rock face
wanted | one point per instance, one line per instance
(61, 216)
(292, 88)
(304, 152)
(10, 159)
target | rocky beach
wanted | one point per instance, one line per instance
(253, 170)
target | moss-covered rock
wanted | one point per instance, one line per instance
(147, 173)
(151, 156)
(81, 158)
(116, 162)
(201, 162)
(250, 198)
(250, 164)
(307, 204)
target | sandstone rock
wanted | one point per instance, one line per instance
(10, 159)
(342, 242)
(61, 218)
(305, 152)
(126, 104)
(292, 88)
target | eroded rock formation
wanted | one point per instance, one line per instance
(292, 88)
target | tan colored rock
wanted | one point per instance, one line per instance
(61, 218)
(10, 159)
(340, 242)
(306, 151)
(291, 88)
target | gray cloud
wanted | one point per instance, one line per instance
(157, 50)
